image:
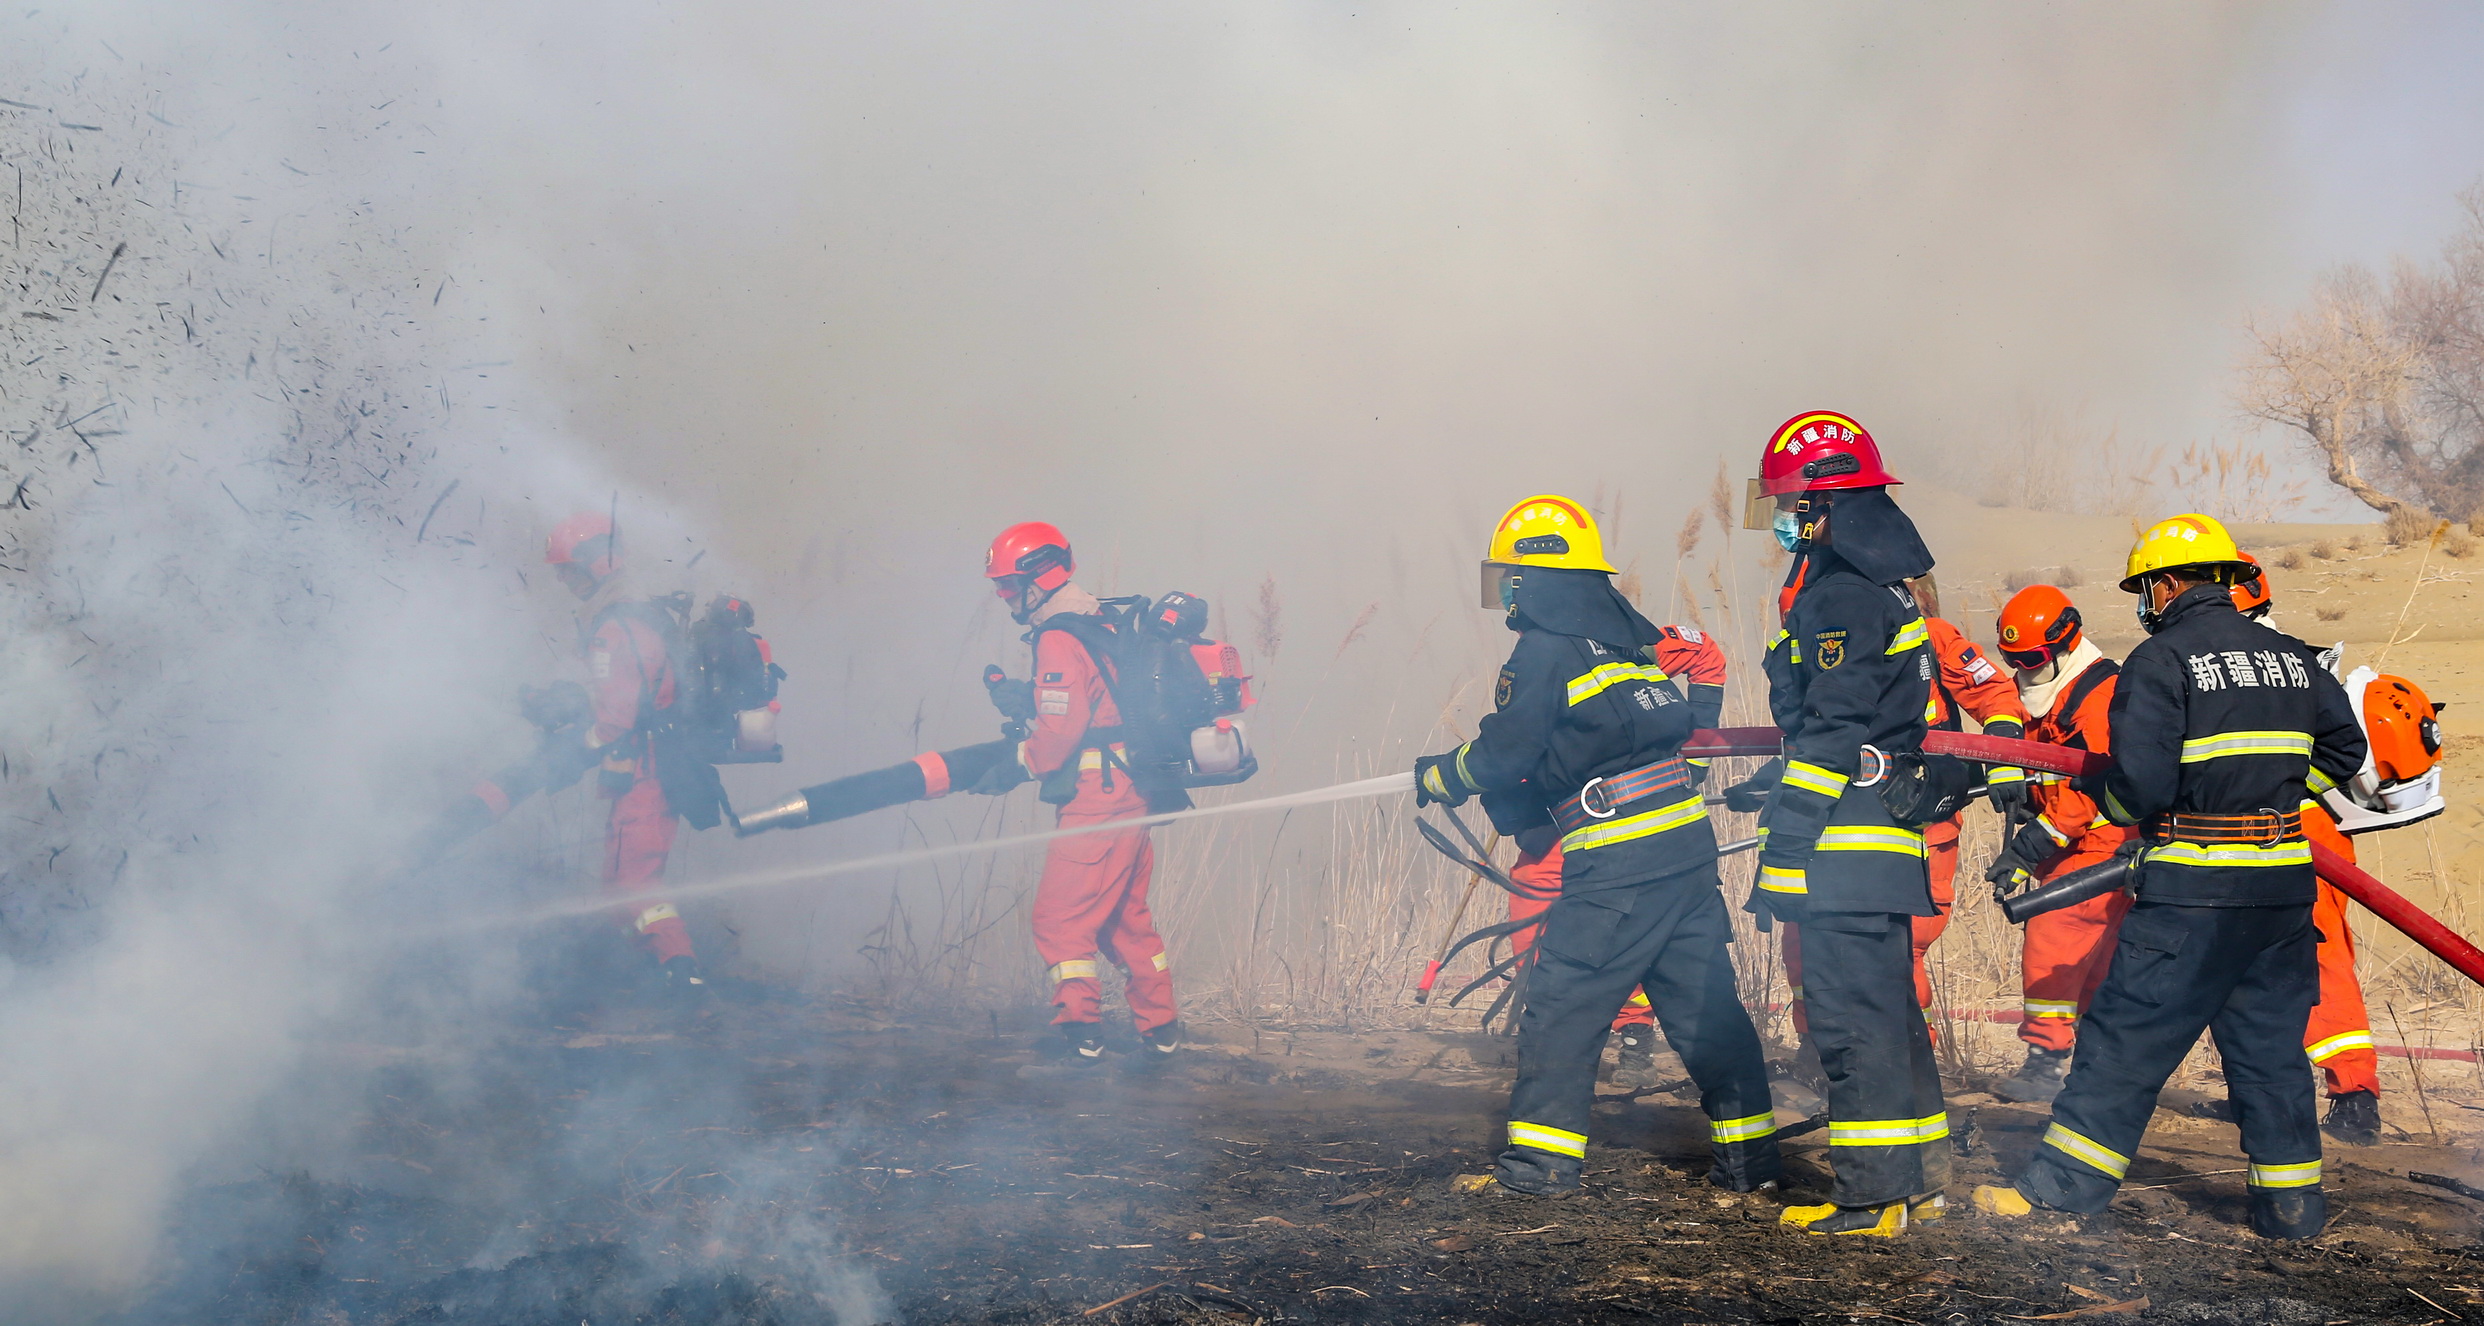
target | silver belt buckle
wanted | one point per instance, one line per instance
(1873, 767)
(1592, 796)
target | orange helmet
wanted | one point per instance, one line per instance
(585, 541)
(2038, 625)
(2406, 738)
(1031, 553)
(2251, 596)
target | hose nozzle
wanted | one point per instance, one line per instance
(793, 812)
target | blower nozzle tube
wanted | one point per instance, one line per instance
(931, 774)
(2070, 890)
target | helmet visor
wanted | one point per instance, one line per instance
(1496, 579)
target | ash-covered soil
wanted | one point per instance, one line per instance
(789, 1163)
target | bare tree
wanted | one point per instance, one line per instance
(2387, 383)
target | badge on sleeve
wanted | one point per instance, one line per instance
(1830, 648)
(1501, 688)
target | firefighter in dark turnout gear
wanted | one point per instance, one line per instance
(1587, 731)
(1849, 680)
(2219, 733)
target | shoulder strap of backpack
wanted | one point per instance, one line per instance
(2097, 674)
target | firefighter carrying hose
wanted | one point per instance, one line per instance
(1965, 684)
(1586, 723)
(2219, 735)
(1692, 659)
(629, 679)
(1849, 680)
(2069, 684)
(1092, 898)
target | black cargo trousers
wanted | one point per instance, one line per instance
(2247, 976)
(1670, 936)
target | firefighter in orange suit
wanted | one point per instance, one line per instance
(1092, 899)
(1967, 683)
(2063, 677)
(2339, 1036)
(1691, 657)
(629, 679)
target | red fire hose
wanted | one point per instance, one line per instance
(2386, 903)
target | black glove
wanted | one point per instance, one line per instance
(1000, 776)
(1747, 796)
(2006, 788)
(2022, 858)
(1014, 699)
(1436, 780)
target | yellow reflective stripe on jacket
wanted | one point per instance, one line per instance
(2246, 743)
(662, 911)
(1872, 838)
(2050, 1010)
(2284, 1176)
(2224, 855)
(1908, 636)
(2318, 782)
(2115, 811)
(1812, 778)
(1793, 647)
(1072, 970)
(1778, 879)
(1607, 675)
(1463, 775)
(1890, 1132)
(1742, 1129)
(1558, 1141)
(2082, 1148)
(1664, 819)
(2339, 1044)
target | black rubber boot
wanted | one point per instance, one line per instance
(2038, 1080)
(1163, 1041)
(2354, 1119)
(1086, 1042)
(1634, 1056)
(2289, 1213)
(685, 988)
(1538, 1173)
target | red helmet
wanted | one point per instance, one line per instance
(2036, 626)
(1032, 553)
(584, 540)
(2252, 596)
(1821, 451)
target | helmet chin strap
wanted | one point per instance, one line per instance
(1028, 604)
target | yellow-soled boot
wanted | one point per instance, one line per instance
(2004, 1202)
(1927, 1208)
(1883, 1222)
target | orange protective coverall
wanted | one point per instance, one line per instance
(2339, 1035)
(1971, 682)
(627, 673)
(2063, 954)
(1093, 894)
(1692, 658)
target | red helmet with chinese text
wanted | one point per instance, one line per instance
(584, 541)
(1817, 451)
(2037, 626)
(1031, 554)
(2251, 597)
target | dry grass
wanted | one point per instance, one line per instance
(2062, 576)
(2329, 614)
(2290, 560)
(2324, 550)
(2458, 543)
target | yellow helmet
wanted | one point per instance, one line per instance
(2187, 541)
(1544, 530)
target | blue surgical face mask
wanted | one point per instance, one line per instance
(1788, 529)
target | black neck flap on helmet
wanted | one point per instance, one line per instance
(1873, 536)
(1568, 601)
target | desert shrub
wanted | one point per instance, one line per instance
(2405, 526)
(2458, 543)
(2290, 560)
(2354, 543)
(2329, 614)
(2324, 550)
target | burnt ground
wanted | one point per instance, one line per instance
(780, 1162)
